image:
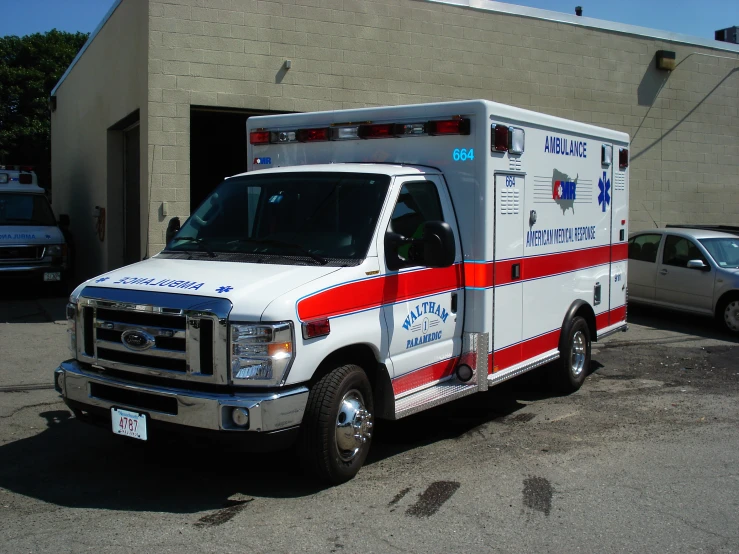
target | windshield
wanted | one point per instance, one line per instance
(316, 217)
(19, 208)
(724, 251)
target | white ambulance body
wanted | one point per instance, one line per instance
(470, 242)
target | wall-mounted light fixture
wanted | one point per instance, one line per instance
(665, 60)
(288, 64)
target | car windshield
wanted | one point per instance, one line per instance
(22, 208)
(724, 251)
(316, 217)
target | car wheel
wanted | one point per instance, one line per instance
(569, 372)
(337, 426)
(728, 313)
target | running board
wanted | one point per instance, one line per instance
(523, 367)
(441, 393)
(474, 358)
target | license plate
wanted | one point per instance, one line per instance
(128, 424)
(52, 276)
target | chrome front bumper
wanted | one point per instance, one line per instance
(268, 411)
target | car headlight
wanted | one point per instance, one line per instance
(56, 250)
(261, 354)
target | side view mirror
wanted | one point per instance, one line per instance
(63, 220)
(436, 248)
(173, 227)
(698, 264)
(438, 244)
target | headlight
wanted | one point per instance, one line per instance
(261, 353)
(56, 250)
(72, 328)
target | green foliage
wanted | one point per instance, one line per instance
(30, 67)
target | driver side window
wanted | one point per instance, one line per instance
(417, 203)
(679, 251)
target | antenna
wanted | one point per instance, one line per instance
(650, 215)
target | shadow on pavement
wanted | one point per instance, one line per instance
(77, 465)
(25, 303)
(674, 321)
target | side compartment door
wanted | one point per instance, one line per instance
(508, 289)
(423, 307)
(619, 244)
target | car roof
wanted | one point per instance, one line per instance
(691, 233)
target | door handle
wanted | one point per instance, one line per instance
(454, 303)
(663, 272)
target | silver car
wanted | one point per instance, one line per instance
(693, 270)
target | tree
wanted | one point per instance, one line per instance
(30, 67)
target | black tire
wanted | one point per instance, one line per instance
(569, 372)
(727, 313)
(322, 438)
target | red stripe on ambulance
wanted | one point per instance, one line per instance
(373, 293)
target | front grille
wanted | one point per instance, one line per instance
(21, 253)
(161, 337)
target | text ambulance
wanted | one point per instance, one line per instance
(371, 264)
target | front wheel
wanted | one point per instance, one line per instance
(728, 313)
(572, 367)
(337, 426)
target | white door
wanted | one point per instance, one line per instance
(423, 307)
(508, 300)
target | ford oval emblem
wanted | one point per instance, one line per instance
(137, 339)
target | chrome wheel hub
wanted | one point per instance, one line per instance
(731, 315)
(577, 357)
(353, 425)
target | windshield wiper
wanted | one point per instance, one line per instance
(200, 242)
(283, 244)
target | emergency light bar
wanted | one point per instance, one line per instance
(455, 126)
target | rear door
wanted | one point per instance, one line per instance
(423, 307)
(643, 266)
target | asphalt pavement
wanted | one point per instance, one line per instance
(642, 459)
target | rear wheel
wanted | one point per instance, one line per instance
(572, 367)
(338, 422)
(728, 313)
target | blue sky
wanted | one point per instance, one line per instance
(699, 18)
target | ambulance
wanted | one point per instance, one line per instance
(370, 264)
(33, 248)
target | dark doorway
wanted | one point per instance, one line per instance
(131, 195)
(217, 148)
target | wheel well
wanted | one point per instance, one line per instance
(725, 298)
(358, 354)
(582, 309)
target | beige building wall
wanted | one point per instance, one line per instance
(355, 53)
(164, 56)
(106, 84)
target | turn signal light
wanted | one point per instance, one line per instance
(316, 328)
(500, 138)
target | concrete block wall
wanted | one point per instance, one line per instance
(356, 53)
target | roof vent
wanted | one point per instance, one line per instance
(578, 10)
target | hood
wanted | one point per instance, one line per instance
(30, 234)
(250, 287)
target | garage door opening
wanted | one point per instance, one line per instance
(217, 148)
